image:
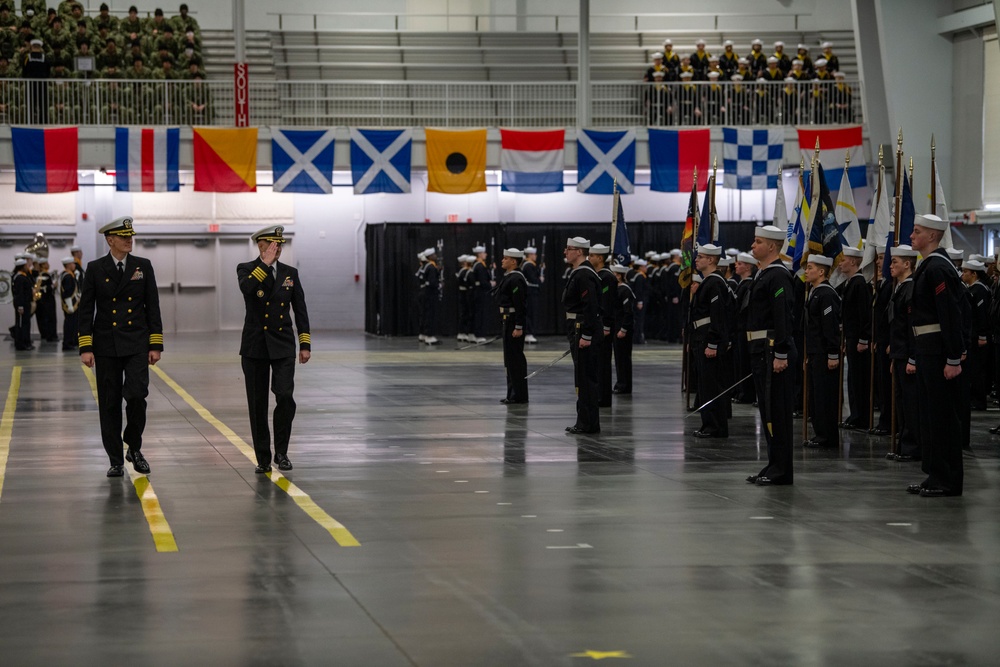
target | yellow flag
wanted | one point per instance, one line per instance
(456, 161)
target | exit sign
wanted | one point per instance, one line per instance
(213, 227)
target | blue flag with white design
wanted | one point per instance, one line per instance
(380, 160)
(752, 157)
(604, 157)
(302, 160)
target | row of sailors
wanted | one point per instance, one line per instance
(700, 62)
(799, 100)
(35, 291)
(927, 328)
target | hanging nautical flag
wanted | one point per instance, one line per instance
(708, 226)
(751, 157)
(225, 160)
(456, 161)
(147, 159)
(45, 160)
(302, 160)
(603, 158)
(780, 217)
(532, 161)
(824, 235)
(687, 239)
(673, 157)
(380, 160)
(879, 227)
(847, 214)
(907, 216)
(621, 251)
(833, 144)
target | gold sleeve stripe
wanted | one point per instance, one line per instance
(304, 338)
(86, 340)
(259, 274)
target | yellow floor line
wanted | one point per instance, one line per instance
(163, 537)
(7, 421)
(336, 529)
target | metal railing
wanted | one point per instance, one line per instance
(439, 104)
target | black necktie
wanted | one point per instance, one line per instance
(121, 271)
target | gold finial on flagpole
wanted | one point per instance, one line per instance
(932, 147)
(899, 140)
(802, 164)
(816, 154)
(881, 154)
(847, 158)
(911, 167)
(715, 165)
(696, 174)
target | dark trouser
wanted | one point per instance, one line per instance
(623, 362)
(420, 312)
(979, 360)
(428, 323)
(462, 315)
(711, 374)
(469, 315)
(280, 374)
(585, 361)
(883, 380)
(940, 424)
(964, 404)
(823, 400)
(675, 316)
(775, 393)
(514, 362)
(653, 315)
(530, 310)
(605, 350)
(21, 331)
(45, 315)
(111, 390)
(71, 327)
(858, 389)
(639, 320)
(481, 312)
(907, 409)
(745, 392)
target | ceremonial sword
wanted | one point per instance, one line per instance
(726, 391)
(550, 364)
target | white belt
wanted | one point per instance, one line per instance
(570, 316)
(507, 310)
(757, 335)
(926, 329)
(702, 322)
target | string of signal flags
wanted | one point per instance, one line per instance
(381, 160)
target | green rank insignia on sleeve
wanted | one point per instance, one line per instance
(779, 292)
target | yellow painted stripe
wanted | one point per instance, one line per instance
(163, 536)
(7, 421)
(337, 530)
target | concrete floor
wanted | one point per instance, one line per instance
(487, 536)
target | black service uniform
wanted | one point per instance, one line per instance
(609, 292)
(268, 349)
(430, 294)
(856, 314)
(712, 323)
(901, 352)
(22, 290)
(533, 276)
(70, 305)
(822, 345)
(120, 324)
(511, 296)
(45, 308)
(581, 299)
(481, 298)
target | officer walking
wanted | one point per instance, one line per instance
(69, 297)
(937, 331)
(121, 336)
(772, 354)
(511, 296)
(270, 288)
(581, 300)
(822, 343)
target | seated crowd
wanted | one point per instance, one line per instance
(706, 89)
(65, 43)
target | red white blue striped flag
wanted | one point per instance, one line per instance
(147, 159)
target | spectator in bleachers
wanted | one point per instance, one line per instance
(685, 67)
(784, 62)
(745, 71)
(184, 22)
(657, 99)
(712, 99)
(822, 70)
(10, 93)
(688, 111)
(36, 67)
(791, 101)
(104, 34)
(199, 109)
(713, 66)
(8, 20)
(134, 52)
(190, 40)
(25, 34)
(8, 69)
(729, 62)
(153, 27)
(83, 51)
(841, 108)
(820, 103)
(77, 14)
(34, 6)
(699, 60)
(768, 92)
(807, 63)
(757, 61)
(82, 34)
(65, 7)
(166, 42)
(193, 67)
(59, 40)
(45, 27)
(671, 60)
(832, 63)
(110, 55)
(9, 40)
(654, 67)
(798, 72)
(131, 26)
(739, 106)
(138, 70)
(166, 71)
(105, 16)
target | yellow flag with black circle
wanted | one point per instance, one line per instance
(456, 161)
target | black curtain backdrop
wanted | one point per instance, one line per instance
(390, 304)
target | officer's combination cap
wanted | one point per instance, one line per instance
(272, 234)
(119, 227)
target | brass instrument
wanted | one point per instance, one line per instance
(39, 247)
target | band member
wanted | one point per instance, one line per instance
(939, 346)
(121, 336)
(772, 354)
(822, 349)
(45, 302)
(711, 322)
(624, 324)
(69, 297)
(511, 296)
(23, 293)
(270, 289)
(581, 299)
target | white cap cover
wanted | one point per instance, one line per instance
(822, 260)
(578, 242)
(599, 249)
(746, 258)
(514, 253)
(479, 248)
(68, 259)
(530, 251)
(931, 222)
(973, 265)
(619, 268)
(903, 250)
(955, 253)
(853, 252)
(770, 232)
(710, 249)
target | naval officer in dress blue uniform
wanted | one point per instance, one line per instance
(270, 289)
(121, 336)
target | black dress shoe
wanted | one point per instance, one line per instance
(514, 401)
(116, 471)
(570, 428)
(621, 391)
(890, 456)
(905, 458)
(816, 444)
(848, 425)
(283, 462)
(139, 463)
(709, 434)
(752, 479)
(576, 430)
(995, 430)
(937, 493)
(797, 414)
(260, 470)
(915, 488)
(767, 481)
(877, 431)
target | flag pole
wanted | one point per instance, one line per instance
(933, 179)
(711, 211)
(686, 361)
(895, 242)
(911, 174)
(614, 218)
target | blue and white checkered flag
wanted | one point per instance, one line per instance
(751, 158)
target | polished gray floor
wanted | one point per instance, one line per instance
(487, 536)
